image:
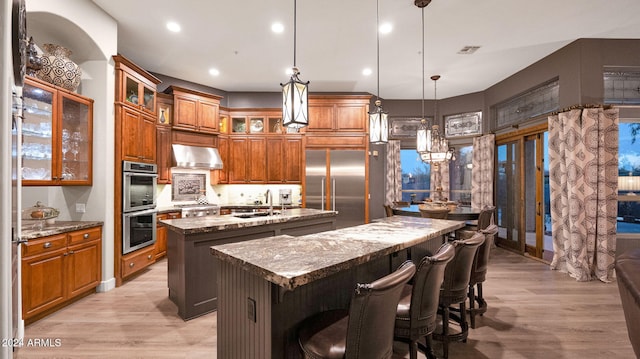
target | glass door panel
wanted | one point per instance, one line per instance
(37, 130)
(547, 242)
(75, 140)
(532, 206)
(507, 195)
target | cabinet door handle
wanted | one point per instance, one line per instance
(47, 245)
(149, 256)
(131, 265)
(71, 252)
(86, 235)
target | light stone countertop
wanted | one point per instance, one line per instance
(229, 222)
(291, 262)
(30, 228)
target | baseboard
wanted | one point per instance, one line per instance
(106, 285)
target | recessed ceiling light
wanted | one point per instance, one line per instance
(214, 72)
(173, 26)
(367, 71)
(385, 28)
(277, 27)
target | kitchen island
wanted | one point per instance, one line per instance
(268, 286)
(192, 270)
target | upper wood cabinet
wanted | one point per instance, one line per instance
(194, 110)
(247, 159)
(284, 159)
(340, 113)
(137, 135)
(221, 176)
(135, 87)
(57, 136)
(136, 112)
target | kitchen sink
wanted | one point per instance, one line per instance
(254, 214)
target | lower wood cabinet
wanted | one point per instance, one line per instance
(138, 260)
(59, 268)
(160, 247)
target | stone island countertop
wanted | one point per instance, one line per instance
(291, 262)
(31, 230)
(196, 225)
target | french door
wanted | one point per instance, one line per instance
(522, 192)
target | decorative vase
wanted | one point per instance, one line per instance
(58, 69)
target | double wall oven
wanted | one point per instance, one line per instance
(139, 213)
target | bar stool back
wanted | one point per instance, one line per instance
(418, 306)
(455, 288)
(366, 329)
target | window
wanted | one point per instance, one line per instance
(460, 176)
(629, 177)
(416, 176)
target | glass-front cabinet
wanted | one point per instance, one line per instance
(56, 136)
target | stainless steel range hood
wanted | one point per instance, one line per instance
(196, 157)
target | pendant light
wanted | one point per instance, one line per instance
(430, 144)
(295, 107)
(378, 118)
(438, 146)
(423, 135)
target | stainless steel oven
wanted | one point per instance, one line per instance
(139, 182)
(139, 230)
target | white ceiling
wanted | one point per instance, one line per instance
(336, 40)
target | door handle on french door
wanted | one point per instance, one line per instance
(322, 194)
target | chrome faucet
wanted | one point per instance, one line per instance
(269, 198)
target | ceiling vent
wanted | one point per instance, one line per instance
(468, 50)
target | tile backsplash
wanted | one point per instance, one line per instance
(232, 194)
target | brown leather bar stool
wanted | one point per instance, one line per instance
(388, 210)
(454, 290)
(485, 218)
(479, 274)
(363, 331)
(418, 306)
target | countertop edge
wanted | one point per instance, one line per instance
(58, 228)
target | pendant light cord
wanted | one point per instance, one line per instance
(294, 32)
(378, 45)
(423, 62)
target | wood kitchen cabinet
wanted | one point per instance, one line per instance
(284, 159)
(338, 113)
(160, 247)
(137, 135)
(136, 112)
(58, 268)
(56, 136)
(194, 110)
(222, 176)
(247, 159)
(163, 138)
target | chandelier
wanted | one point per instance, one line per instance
(378, 120)
(295, 107)
(430, 144)
(435, 146)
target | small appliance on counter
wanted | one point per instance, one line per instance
(41, 213)
(285, 196)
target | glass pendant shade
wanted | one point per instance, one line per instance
(378, 125)
(295, 106)
(438, 149)
(423, 138)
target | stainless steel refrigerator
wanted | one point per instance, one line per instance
(335, 180)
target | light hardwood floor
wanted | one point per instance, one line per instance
(533, 313)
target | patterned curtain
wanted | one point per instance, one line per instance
(393, 181)
(482, 172)
(583, 180)
(439, 175)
